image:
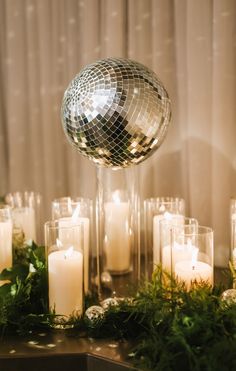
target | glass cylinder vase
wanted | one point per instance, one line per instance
(5, 238)
(156, 209)
(196, 265)
(233, 231)
(171, 251)
(118, 231)
(26, 213)
(233, 248)
(64, 251)
(80, 209)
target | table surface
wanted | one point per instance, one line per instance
(59, 343)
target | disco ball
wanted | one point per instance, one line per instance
(229, 296)
(116, 112)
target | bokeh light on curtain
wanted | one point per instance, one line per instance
(190, 44)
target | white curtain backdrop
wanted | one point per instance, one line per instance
(190, 44)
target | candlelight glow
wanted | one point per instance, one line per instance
(116, 197)
(59, 243)
(76, 213)
(167, 216)
(69, 252)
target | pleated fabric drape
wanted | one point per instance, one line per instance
(190, 44)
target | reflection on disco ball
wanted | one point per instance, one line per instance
(94, 316)
(109, 302)
(116, 112)
(229, 296)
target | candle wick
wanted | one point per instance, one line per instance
(68, 252)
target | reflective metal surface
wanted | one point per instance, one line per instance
(116, 112)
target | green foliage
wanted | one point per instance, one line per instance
(185, 330)
(25, 292)
(173, 329)
(19, 247)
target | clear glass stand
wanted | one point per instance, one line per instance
(118, 231)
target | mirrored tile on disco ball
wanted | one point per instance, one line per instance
(116, 112)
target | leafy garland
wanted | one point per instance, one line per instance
(173, 329)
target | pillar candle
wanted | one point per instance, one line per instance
(234, 257)
(179, 220)
(187, 271)
(233, 239)
(5, 246)
(68, 239)
(65, 276)
(117, 240)
(178, 253)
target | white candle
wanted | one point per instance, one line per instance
(199, 271)
(178, 253)
(179, 220)
(68, 239)
(65, 276)
(24, 217)
(117, 241)
(5, 246)
(234, 257)
(233, 239)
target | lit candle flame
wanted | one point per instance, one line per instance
(167, 216)
(58, 243)
(116, 197)
(69, 252)
(76, 213)
(162, 208)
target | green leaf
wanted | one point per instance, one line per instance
(11, 274)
